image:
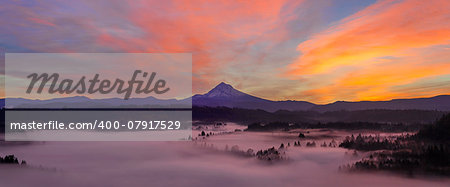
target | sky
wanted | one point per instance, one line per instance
(318, 51)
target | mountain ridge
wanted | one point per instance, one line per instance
(226, 95)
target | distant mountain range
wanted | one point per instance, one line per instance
(227, 96)
(85, 102)
(440, 103)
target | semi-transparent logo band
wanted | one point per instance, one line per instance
(98, 96)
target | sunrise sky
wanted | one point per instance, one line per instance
(317, 51)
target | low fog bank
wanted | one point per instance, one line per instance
(181, 164)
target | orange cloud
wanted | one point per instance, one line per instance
(214, 31)
(376, 82)
(383, 29)
(387, 44)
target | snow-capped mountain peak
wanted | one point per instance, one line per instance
(224, 90)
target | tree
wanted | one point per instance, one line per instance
(301, 135)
